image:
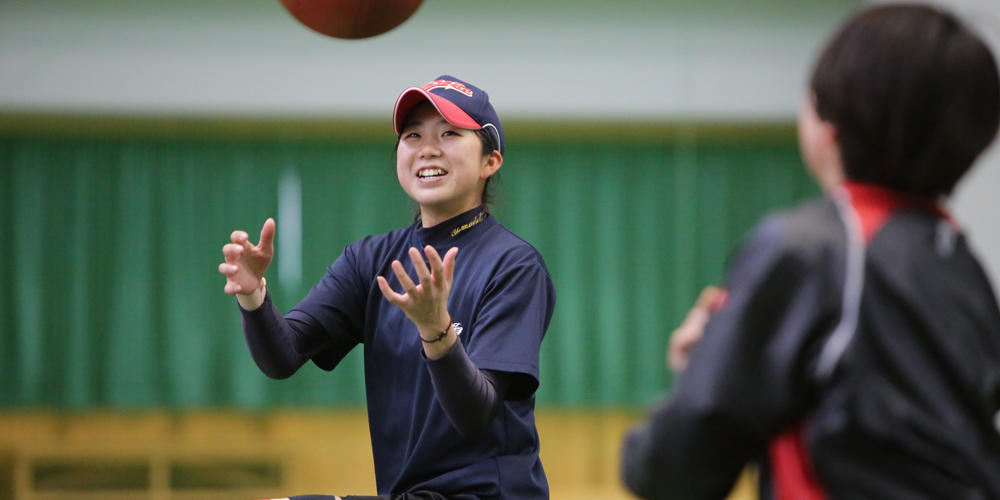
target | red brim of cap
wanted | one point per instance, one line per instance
(415, 95)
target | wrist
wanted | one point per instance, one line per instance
(435, 336)
(437, 343)
(253, 300)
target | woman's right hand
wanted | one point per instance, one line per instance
(246, 263)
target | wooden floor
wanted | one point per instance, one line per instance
(226, 455)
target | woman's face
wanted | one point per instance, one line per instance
(441, 166)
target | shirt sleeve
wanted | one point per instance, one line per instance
(469, 396)
(276, 343)
(336, 306)
(514, 314)
(271, 340)
(745, 379)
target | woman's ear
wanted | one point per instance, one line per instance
(819, 146)
(829, 132)
(491, 163)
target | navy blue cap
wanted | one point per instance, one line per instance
(461, 103)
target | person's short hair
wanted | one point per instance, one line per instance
(489, 145)
(913, 94)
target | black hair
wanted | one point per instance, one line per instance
(913, 95)
(489, 145)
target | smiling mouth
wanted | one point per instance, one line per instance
(427, 173)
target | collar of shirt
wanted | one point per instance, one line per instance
(454, 228)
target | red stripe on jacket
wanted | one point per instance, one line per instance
(792, 473)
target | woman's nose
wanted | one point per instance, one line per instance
(429, 150)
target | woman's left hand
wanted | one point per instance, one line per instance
(426, 302)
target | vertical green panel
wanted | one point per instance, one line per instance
(7, 292)
(681, 259)
(55, 254)
(101, 277)
(79, 281)
(130, 350)
(184, 355)
(254, 173)
(571, 272)
(713, 197)
(609, 276)
(199, 345)
(651, 205)
(28, 271)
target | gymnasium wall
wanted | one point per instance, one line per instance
(565, 60)
(113, 298)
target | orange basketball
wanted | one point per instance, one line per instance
(351, 18)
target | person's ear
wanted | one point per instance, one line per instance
(491, 163)
(819, 145)
(829, 133)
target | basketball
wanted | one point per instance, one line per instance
(351, 19)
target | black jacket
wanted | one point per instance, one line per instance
(858, 356)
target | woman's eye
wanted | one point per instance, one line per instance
(449, 132)
(412, 135)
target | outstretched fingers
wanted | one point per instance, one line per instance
(404, 279)
(230, 270)
(437, 268)
(441, 270)
(449, 263)
(266, 242)
(706, 297)
(232, 252)
(245, 263)
(264, 246)
(423, 274)
(389, 294)
(232, 287)
(227, 269)
(239, 237)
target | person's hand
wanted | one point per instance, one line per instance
(684, 338)
(426, 302)
(246, 263)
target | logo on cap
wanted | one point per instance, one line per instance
(447, 84)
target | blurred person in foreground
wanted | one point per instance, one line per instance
(855, 352)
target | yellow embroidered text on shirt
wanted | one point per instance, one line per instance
(479, 218)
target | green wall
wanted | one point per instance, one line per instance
(110, 246)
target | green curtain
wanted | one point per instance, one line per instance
(110, 251)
